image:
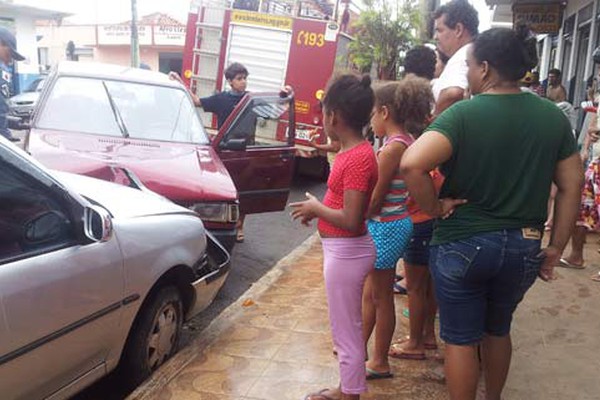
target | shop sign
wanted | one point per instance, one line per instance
(540, 17)
(169, 35)
(121, 34)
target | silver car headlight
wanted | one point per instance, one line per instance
(217, 212)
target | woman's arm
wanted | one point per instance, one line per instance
(429, 151)
(388, 163)
(568, 178)
(590, 137)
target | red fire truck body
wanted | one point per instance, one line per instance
(277, 50)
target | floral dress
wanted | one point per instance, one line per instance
(589, 212)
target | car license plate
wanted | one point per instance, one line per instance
(303, 134)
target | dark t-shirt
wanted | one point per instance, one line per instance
(221, 104)
(504, 154)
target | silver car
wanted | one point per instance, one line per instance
(23, 104)
(92, 274)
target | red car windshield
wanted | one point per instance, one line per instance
(119, 108)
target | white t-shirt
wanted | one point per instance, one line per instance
(455, 73)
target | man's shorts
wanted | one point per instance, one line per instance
(479, 282)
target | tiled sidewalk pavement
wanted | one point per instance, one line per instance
(275, 344)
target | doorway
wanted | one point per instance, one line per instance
(578, 94)
(168, 62)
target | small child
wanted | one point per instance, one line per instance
(348, 250)
(399, 108)
(222, 104)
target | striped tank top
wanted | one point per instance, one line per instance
(395, 205)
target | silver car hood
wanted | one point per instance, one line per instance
(120, 201)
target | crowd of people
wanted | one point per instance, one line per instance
(459, 191)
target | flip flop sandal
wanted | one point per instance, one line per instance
(239, 237)
(399, 353)
(596, 278)
(436, 375)
(399, 289)
(373, 375)
(406, 314)
(566, 264)
(427, 346)
(319, 396)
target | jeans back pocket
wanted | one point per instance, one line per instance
(454, 259)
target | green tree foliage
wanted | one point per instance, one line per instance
(384, 31)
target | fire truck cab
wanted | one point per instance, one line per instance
(277, 50)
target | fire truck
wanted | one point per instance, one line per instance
(277, 49)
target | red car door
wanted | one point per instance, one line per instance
(256, 144)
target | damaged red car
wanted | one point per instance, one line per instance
(100, 120)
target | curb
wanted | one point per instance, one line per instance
(166, 373)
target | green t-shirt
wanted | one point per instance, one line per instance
(504, 153)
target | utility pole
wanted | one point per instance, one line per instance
(135, 44)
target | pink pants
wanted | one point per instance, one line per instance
(347, 262)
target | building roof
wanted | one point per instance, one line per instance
(159, 19)
(156, 18)
(36, 12)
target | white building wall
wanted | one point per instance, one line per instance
(56, 37)
(26, 41)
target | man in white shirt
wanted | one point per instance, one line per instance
(456, 25)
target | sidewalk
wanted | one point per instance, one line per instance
(274, 343)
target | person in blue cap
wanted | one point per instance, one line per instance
(8, 54)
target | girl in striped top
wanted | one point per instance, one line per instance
(399, 106)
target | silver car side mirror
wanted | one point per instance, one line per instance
(97, 224)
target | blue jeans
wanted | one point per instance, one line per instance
(479, 282)
(417, 251)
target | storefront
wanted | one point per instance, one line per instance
(161, 40)
(570, 49)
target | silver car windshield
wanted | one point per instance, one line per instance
(146, 111)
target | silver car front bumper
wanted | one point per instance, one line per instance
(211, 277)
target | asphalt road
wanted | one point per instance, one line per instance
(268, 238)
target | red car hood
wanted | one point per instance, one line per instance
(181, 172)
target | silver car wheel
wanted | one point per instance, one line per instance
(163, 336)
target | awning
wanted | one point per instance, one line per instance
(511, 2)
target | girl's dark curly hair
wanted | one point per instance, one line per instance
(351, 97)
(408, 101)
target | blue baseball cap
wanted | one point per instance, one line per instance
(9, 39)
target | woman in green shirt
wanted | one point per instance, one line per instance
(499, 153)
